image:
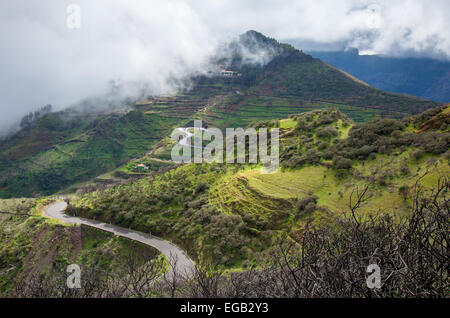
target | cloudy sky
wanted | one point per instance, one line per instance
(44, 59)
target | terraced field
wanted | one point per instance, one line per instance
(272, 196)
(258, 108)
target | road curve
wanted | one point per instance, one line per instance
(183, 264)
(187, 137)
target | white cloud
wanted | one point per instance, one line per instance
(42, 61)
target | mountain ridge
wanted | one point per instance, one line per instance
(424, 77)
(291, 81)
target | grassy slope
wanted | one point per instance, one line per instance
(249, 190)
(284, 188)
(34, 245)
(294, 82)
(233, 214)
(64, 153)
(57, 152)
(311, 79)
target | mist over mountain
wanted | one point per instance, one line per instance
(98, 97)
(155, 44)
(424, 77)
(250, 78)
(248, 49)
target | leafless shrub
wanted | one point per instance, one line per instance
(329, 260)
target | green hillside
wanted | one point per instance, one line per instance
(56, 152)
(233, 214)
(62, 149)
(294, 82)
(34, 248)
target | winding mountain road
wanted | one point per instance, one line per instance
(180, 262)
(187, 136)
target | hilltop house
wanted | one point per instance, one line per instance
(141, 167)
(226, 73)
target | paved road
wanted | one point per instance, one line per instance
(183, 265)
(186, 140)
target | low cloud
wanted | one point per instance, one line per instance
(140, 45)
(148, 43)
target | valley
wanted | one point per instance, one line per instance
(315, 184)
(74, 147)
(358, 167)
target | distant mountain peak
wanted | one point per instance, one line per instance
(251, 48)
(252, 38)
